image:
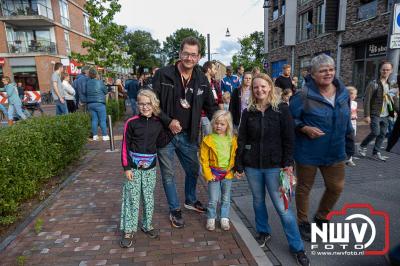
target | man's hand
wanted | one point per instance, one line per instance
(62, 100)
(129, 175)
(238, 175)
(175, 126)
(312, 132)
(367, 120)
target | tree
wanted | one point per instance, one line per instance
(251, 53)
(173, 42)
(143, 48)
(108, 48)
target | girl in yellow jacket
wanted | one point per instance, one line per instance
(217, 158)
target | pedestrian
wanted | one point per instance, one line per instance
(95, 96)
(69, 92)
(226, 99)
(266, 132)
(138, 156)
(14, 102)
(240, 73)
(240, 99)
(133, 88)
(324, 138)
(295, 83)
(79, 84)
(217, 157)
(255, 71)
(284, 81)
(353, 109)
(21, 91)
(379, 105)
(210, 69)
(285, 96)
(57, 91)
(184, 92)
(230, 82)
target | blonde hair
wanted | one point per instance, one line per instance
(352, 89)
(228, 118)
(273, 97)
(226, 95)
(155, 103)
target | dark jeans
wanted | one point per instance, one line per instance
(187, 155)
(379, 126)
(334, 183)
(71, 106)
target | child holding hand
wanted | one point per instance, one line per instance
(217, 158)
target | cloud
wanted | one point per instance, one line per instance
(228, 47)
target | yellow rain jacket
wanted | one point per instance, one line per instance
(208, 157)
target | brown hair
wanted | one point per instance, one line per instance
(190, 41)
(7, 78)
(286, 66)
(57, 66)
(64, 75)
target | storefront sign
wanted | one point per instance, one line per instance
(73, 69)
(2, 61)
(376, 49)
(395, 41)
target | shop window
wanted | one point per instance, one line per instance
(64, 13)
(274, 38)
(86, 25)
(367, 9)
(305, 62)
(306, 26)
(320, 27)
(275, 10)
(67, 43)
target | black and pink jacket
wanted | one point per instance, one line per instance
(140, 136)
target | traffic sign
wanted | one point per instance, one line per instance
(395, 41)
(396, 19)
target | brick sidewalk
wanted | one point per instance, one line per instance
(81, 227)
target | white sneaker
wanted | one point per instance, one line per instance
(362, 151)
(105, 138)
(225, 224)
(95, 137)
(378, 156)
(210, 224)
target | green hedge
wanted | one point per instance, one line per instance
(33, 151)
(116, 109)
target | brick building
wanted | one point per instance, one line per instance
(353, 32)
(35, 34)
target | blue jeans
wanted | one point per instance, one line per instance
(15, 108)
(98, 113)
(379, 127)
(259, 179)
(61, 108)
(133, 106)
(215, 190)
(187, 155)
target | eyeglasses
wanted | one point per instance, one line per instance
(186, 55)
(142, 105)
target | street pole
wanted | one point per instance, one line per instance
(393, 55)
(208, 47)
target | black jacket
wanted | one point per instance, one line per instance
(373, 99)
(164, 82)
(141, 135)
(235, 105)
(266, 140)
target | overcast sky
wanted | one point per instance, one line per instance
(163, 17)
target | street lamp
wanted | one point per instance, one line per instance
(227, 34)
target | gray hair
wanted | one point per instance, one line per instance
(321, 60)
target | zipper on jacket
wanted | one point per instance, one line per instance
(262, 137)
(146, 134)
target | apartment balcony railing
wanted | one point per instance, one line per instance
(32, 47)
(26, 8)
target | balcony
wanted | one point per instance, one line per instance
(19, 47)
(23, 13)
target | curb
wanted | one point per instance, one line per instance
(7, 241)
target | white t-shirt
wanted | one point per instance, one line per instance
(385, 111)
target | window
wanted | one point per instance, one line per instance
(305, 26)
(275, 10)
(283, 7)
(390, 5)
(320, 27)
(302, 2)
(64, 13)
(86, 25)
(274, 38)
(44, 8)
(305, 62)
(281, 35)
(367, 9)
(67, 43)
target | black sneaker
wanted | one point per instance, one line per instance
(319, 222)
(196, 206)
(301, 258)
(127, 240)
(263, 238)
(176, 219)
(305, 231)
(153, 233)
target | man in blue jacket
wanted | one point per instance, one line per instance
(79, 85)
(229, 82)
(133, 88)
